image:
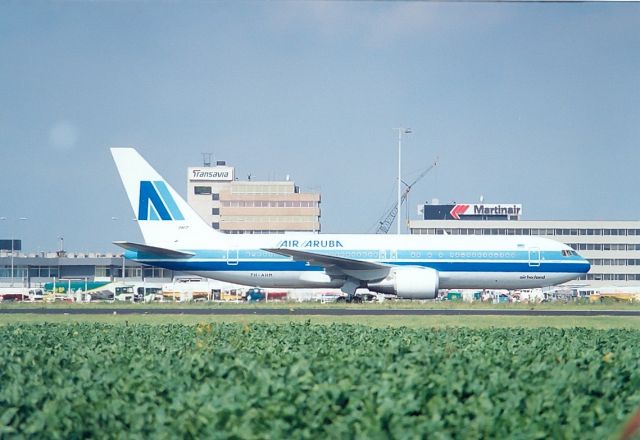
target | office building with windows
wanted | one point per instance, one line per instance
(250, 207)
(612, 247)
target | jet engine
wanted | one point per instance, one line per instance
(409, 282)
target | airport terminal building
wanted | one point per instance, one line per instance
(248, 206)
(612, 247)
(34, 269)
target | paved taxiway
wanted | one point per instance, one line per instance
(317, 312)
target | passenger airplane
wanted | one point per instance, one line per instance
(409, 266)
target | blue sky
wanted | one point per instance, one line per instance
(536, 104)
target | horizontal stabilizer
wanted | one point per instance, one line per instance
(153, 250)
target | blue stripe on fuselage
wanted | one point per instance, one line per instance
(300, 266)
(441, 260)
(374, 255)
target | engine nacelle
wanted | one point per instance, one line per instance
(409, 282)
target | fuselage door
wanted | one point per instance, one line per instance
(534, 257)
(232, 257)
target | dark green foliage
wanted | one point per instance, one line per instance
(314, 381)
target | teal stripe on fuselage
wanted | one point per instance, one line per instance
(301, 266)
(381, 256)
(441, 260)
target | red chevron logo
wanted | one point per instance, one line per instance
(458, 210)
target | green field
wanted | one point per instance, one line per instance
(301, 380)
(596, 322)
(393, 304)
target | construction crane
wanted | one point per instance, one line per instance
(385, 223)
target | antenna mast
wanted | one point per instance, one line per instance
(206, 159)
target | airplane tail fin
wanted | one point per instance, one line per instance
(165, 219)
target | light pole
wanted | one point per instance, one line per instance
(123, 261)
(5, 219)
(401, 130)
(12, 241)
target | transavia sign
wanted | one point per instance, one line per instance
(486, 209)
(214, 173)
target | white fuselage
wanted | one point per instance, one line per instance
(514, 262)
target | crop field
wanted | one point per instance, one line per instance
(389, 304)
(301, 380)
(435, 321)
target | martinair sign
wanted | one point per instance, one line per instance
(212, 173)
(486, 210)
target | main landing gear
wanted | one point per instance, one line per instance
(349, 289)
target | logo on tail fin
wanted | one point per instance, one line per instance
(156, 202)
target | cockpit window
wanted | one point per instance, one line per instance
(568, 252)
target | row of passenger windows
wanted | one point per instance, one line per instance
(523, 231)
(426, 254)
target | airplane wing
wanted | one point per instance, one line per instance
(338, 266)
(153, 250)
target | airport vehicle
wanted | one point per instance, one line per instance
(102, 295)
(66, 285)
(328, 297)
(409, 266)
(255, 294)
(230, 295)
(614, 293)
(14, 294)
(21, 294)
(131, 291)
(36, 294)
(276, 295)
(188, 289)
